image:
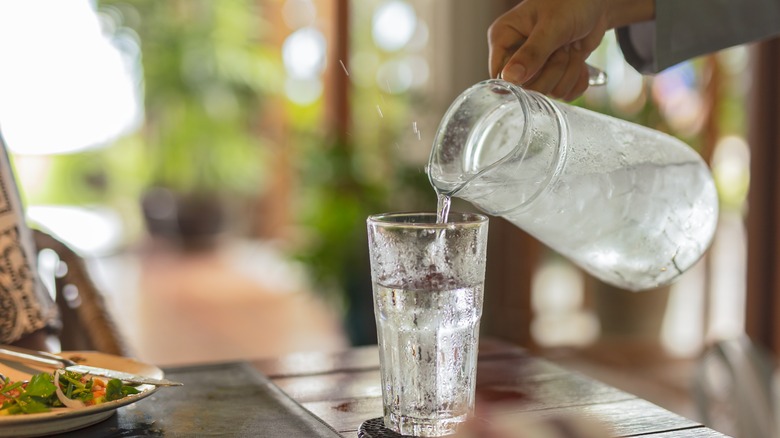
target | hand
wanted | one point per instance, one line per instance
(564, 75)
(543, 44)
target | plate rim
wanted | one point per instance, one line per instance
(104, 410)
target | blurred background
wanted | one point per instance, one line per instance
(214, 163)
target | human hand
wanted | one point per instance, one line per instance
(543, 44)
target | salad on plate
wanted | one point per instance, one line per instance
(45, 391)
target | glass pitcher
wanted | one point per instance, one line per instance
(631, 205)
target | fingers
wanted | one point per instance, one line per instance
(564, 75)
(580, 85)
(504, 38)
(573, 80)
(532, 55)
(568, 81)
(542, 44)
(520, 41)
(497, 59)
(552, 73)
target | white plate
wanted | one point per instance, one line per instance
(60, 420)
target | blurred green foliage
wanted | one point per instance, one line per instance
(345, 177)
(207, 70)
(206, 73)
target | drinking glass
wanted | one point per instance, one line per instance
(428, 282)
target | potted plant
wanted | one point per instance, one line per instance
(206, 72)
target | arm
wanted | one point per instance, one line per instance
(686, 29)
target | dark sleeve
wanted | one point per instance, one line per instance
(637, 42)
(685, 29)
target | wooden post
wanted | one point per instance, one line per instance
(763, 219)
(271, 211)
(337, 83)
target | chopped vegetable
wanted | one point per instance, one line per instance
(62, 388)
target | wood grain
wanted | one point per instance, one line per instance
(344, 390)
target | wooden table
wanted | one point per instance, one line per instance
(233, 399)
(344, 390)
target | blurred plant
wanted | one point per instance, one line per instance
(337, 193)
(346, 176)
(206, 71)
(99, 176)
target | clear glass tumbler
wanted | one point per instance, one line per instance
(428, 282)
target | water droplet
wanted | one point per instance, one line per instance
(344, 67)
(416, 130)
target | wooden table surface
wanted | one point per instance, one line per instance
(344, 390)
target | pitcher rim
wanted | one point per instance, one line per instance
(456, 104)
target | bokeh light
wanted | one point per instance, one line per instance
(394, 25)
(303, 53)
(70, 80)
(364, 65)
(303, 91)
(299, 13)
(677, 96)
(625, 85)
(731, 170)
(419, 40)
(89, 230)
(394, 76)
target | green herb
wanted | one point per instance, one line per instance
(116, 390)
(40, 385)
(40, 393)
(33, 398)
(8, 386)
(74, 388)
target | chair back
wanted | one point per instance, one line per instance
(86, 321)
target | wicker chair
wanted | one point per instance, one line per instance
(86, 322)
